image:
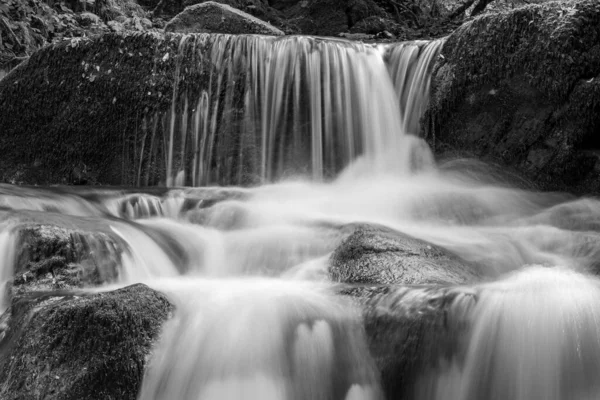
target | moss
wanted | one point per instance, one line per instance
(98, 111)
(550, 45)
(77, 102)
(80, 346)
(518, 82)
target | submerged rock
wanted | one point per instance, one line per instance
(411, 331)
(213, 17)
(377, 255)
(52, 257)
(79, 346)
(522, 88)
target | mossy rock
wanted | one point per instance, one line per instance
(521, 89)
(378, 255)
(214, 17)
(80, 346)
(412, 330)
(77, 111)
(51, 257)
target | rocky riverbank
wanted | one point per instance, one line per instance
(522, 89)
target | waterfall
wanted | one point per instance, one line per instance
(8, 249)
(534, 335)
(410, 69)
(251, 109)
(267, 339)
(330, 130)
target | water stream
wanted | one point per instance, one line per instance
(257, 316)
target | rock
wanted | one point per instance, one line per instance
(79, 346)
(261, 9)
(411, 331)
(88, 18)
(219, 18)
(99, 86)
(146, 23)
(80, 96)
(356, 36)
(384, 35)
(115, 26)
(522, 89)
(51, 257)
(374, 255)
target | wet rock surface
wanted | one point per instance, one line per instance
(377, 255)
(68, 345)
(51, 257)
(213, 17)
(100, 87)
(410, 330)
(521, 89)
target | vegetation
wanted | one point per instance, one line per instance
(27, 25)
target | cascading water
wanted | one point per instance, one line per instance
(276, 107)
(534, 335)
(8, 248)
(298, 342)
(256, 315)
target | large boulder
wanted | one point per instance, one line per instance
(213, 17)
(522, 89)
(79, 346)
(378, 255)
(71, 109)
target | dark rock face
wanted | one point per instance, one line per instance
(372, 255)
(523, 89)
(213, 17)
(410, 330)
(88, 96)
(79, 346)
